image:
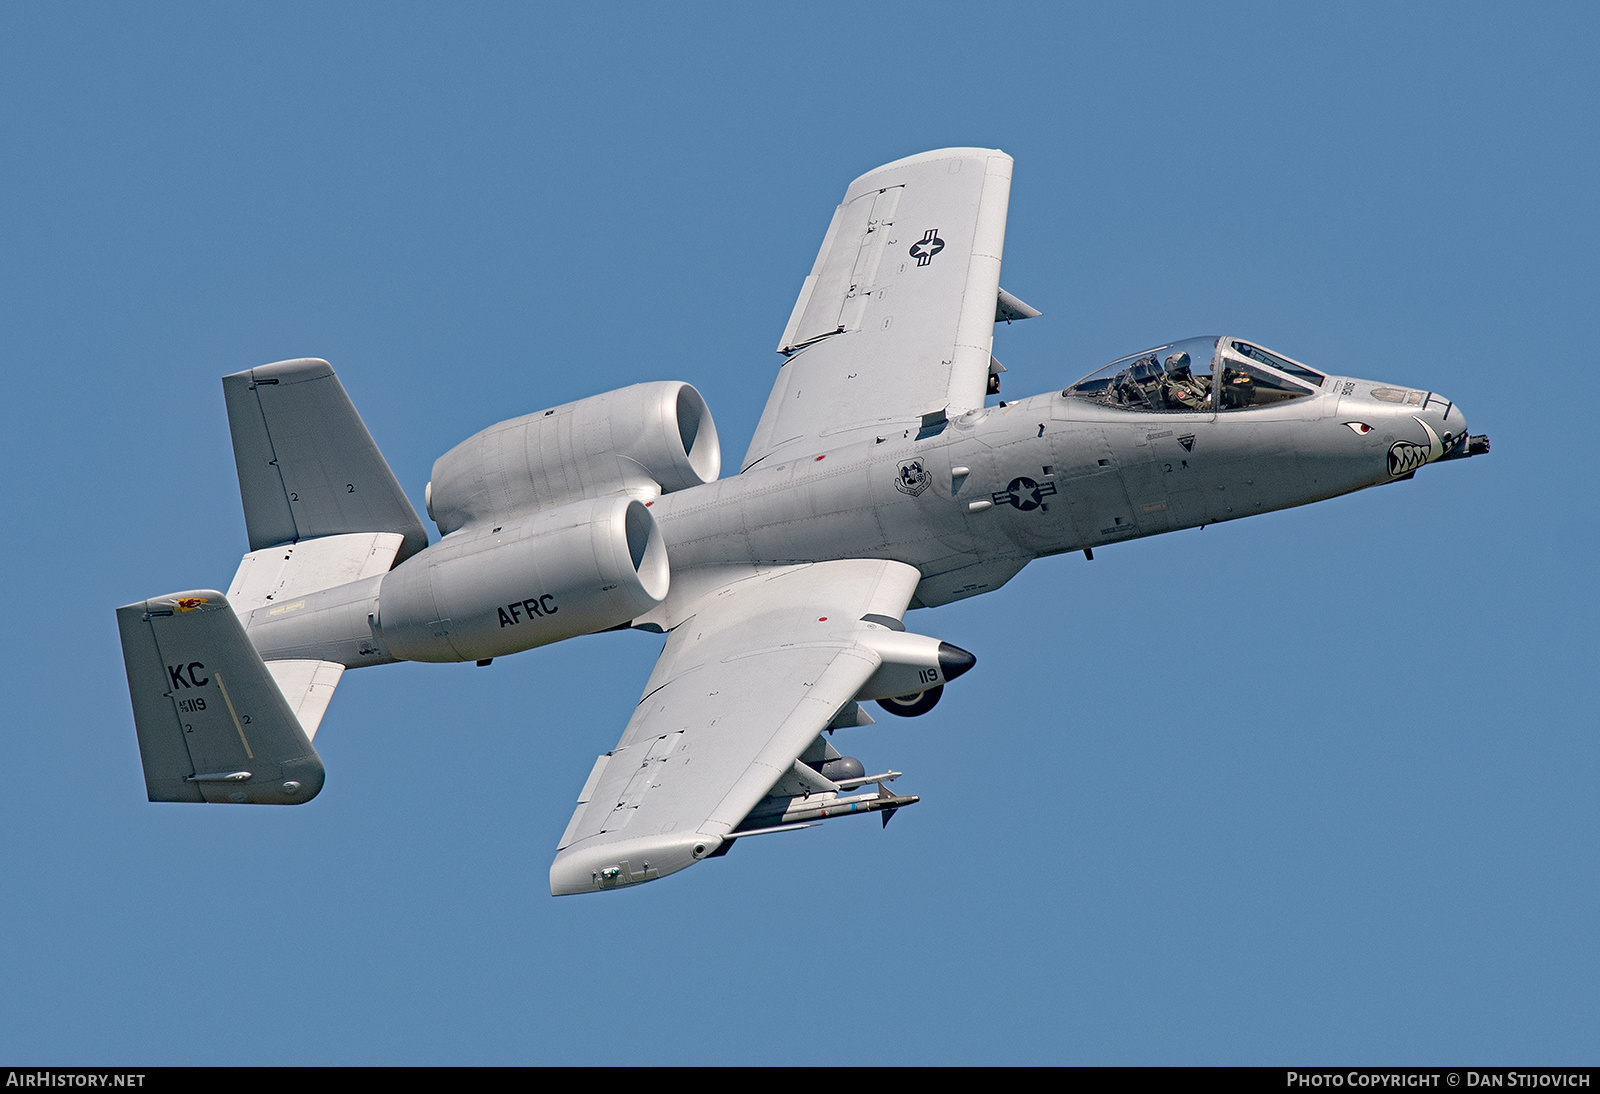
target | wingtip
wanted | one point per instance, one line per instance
(984, 154)
(626, 863)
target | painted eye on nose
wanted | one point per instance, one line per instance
(1360, 427)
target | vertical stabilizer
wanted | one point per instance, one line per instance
(213, 725)
(307, 465)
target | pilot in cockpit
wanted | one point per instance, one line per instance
(1182, 389)
(1130, 387)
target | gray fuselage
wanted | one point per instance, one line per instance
(1044, 475)
(968, 502)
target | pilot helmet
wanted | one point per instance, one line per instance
(1178, 364)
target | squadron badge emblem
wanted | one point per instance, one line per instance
(913, 478)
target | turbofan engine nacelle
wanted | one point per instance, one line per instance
(492, 590)
(645, 440)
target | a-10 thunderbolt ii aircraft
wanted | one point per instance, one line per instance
(877, 481)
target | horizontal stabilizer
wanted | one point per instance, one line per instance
(307, 465)
(307, 687)
(213, 725)
(279, 574)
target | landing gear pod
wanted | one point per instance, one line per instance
(913, 666)
(490, 591)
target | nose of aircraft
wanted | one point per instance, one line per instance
(1442, 419)
(1445, 436)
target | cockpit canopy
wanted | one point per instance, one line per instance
(1198, 375)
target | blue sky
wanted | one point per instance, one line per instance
(1314, 787)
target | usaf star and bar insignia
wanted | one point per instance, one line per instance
(925, 248)
(1025, 494)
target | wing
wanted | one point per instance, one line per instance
(896, 320)
(742, 688)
